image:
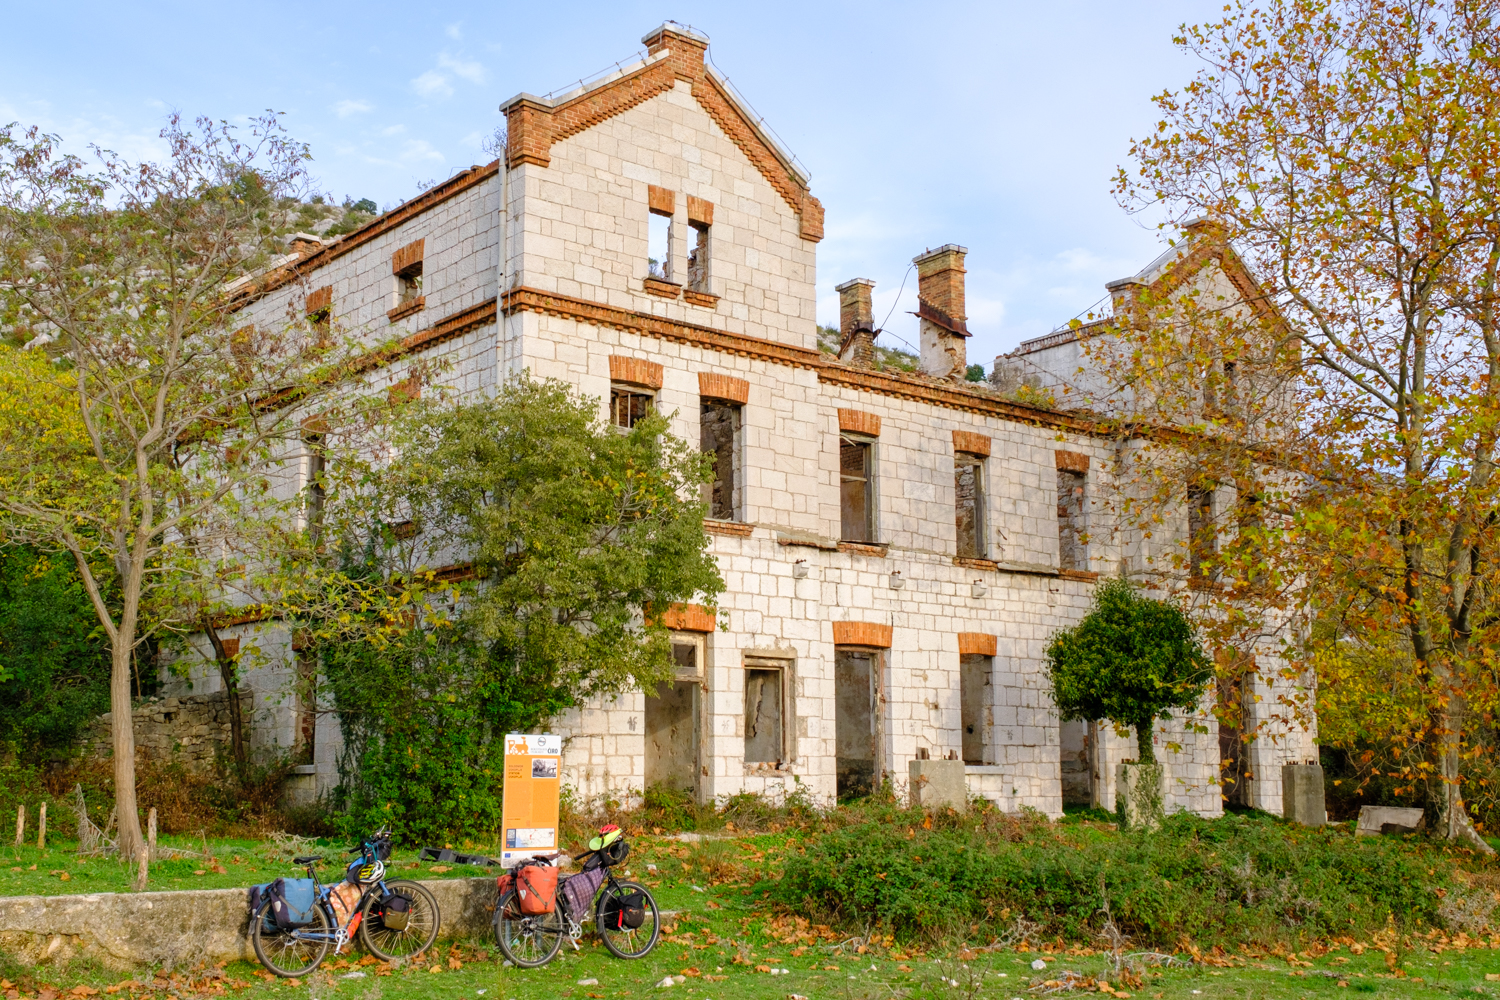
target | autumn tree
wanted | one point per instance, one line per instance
(145, 424)
(1345, 409)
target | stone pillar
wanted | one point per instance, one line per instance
(1302, 794)
(1140, 795)
(937, 783)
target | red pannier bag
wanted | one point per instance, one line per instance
(536, 885)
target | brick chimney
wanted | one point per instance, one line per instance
(856, 322)
(940, 309)
(1125, 299)
(304, 245)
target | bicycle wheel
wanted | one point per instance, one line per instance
(527, 941)
(291, 953)
(628, 942)
(422, 920)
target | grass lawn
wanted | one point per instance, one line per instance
(725, 935)
(56, 871)
(730, 942)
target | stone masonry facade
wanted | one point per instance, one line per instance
(864, 624)
(192, 730)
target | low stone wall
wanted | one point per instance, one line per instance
(191, 730)
(177, 929)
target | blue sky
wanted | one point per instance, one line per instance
(997, 126)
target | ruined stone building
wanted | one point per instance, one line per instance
(898, 547)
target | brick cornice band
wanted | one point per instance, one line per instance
(429, 199)
(1072, 461)
(712, 385)
(861, 634)
(918, 388)
(859, 422)
(407, 256)
(976, 644)
(635, 371)
(971, 444)
(689, 618)
(532, 125)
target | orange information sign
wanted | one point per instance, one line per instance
(529, 803)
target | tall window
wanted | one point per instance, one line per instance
(1203, 542)
(320, 314)
(409, 284)
(659, 245)
(317, 489)
(628, 405)
(1072, 547)
(856, 489)
(1252, 534)
(767, 686)
(719, 431)
(975, 698)
(697, 269)
(968, 487)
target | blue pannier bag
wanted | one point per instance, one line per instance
(292, 901)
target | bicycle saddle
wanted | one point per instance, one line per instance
(306, 861)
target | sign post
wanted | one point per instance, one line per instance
(530, 800)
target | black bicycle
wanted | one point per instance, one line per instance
(625, 913)
(394, 918)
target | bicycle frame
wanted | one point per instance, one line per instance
(572, 926)
(340, 936)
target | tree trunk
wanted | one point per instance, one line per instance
(122, 740)
(1145, 750)
(229, 674)
(1445, 795)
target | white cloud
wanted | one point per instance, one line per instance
(432, 84)
(420, 151)
(346, 108)
(452, 31)
(390, 130)
(468, 69)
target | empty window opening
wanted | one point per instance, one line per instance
(628, 406)
(307, 707)
(317, 484)
(1252, 534)
(765, 733)
(659, 246)
(856, 490)
(697, 269)
(968, 486)
(672, 720)
(976, 705)
(719, 433)
(1078, 739)
(1072, 540)
(409, 284)
(856, 720)
(1203, 542)
(320, 314)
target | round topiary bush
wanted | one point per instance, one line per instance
(1130, 660)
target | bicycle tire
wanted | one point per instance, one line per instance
(522, 938)
(423, 920)
(286, 953)
(620, 940)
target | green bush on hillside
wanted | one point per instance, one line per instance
(1232, 881)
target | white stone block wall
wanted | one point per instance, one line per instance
(578, 228)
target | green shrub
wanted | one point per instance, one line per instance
(1234, 881)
